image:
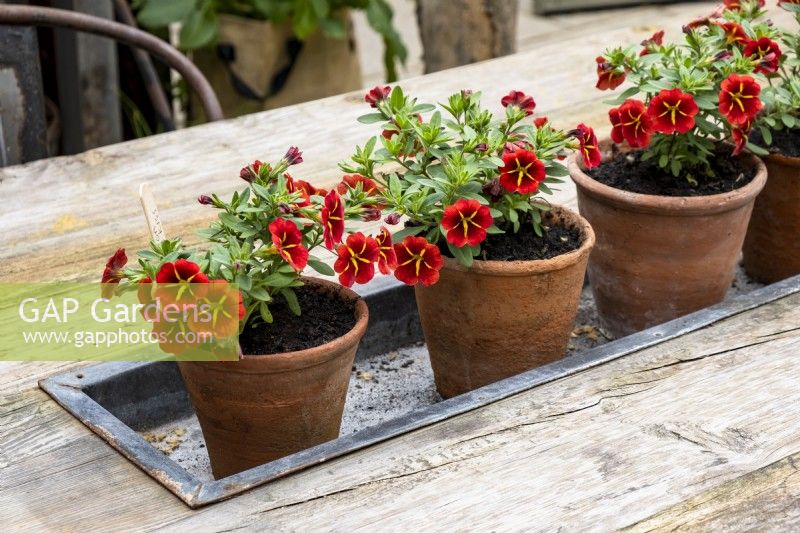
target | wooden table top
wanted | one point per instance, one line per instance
(699, 431)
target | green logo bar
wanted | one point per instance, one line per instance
(133, 322)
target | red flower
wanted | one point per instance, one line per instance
(418, 261)
(590, 148)
(616, 125)
(304, 188)
(633, 123)
(735, 5)
(466, 222)
(522, 172)
(734, 33)
(741, 136)
(351, 181)
(540, 121)
(607, 76)
(766, 52)
(288, 241)
(738, 99)
(672, 110)
(181, 271)
(333, 219)
(113, 271)
(357, 257)
(387, 259)
(519, 99)
(377, 94)
(656, 40)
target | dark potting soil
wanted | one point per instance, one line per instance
(628, 172)
(324, 318)
(557, 239)
(784, 142)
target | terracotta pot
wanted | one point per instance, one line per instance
(500, 318)
(772, 245)
(264, 407)
(660, 257)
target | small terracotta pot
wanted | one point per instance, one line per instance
(772, 245)
(264, 407)
(661, 257)
(499, 318)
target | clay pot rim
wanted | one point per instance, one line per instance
(534, 266)
(674, 205)
(783, 159)
(298, 359)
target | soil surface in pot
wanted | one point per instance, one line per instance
(628, 172)
(324, 318)
(525, 245)
(784, 142)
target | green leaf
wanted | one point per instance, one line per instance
(757, 149)
(244, 281)
(323, 268)
(199, 29)
(627, 93)
(405, 232)
(279, 280)
(463, 255)
(263, 309)
(304, 20)
(371, 118)
(160, 13)
(396, 99)
(291, 301)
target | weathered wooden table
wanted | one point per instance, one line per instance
(701, 431)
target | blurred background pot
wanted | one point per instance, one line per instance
(661, 257)
(264, 407)
(257, 65)
(499, 318)
(772, 245)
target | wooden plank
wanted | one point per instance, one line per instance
(766, 499)
(606, 448)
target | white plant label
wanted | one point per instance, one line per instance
(151, 212)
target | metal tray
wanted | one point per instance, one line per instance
(125, 403)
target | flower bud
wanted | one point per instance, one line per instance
(392, 218)
(481, 147)
(285, 208)
(370, 214)
(247, 174)
(205, 199)
(293, 156)
(493, 188)
(377, 94)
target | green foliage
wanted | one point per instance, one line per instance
(199, 19)
(424, 165)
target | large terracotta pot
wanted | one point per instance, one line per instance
(660, 257)
(772, 245)
(264, 407)
(499, 318)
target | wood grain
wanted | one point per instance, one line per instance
(703, 427)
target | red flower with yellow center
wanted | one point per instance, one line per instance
(332, 219)
(288, 241)
(766, 52)
(738, 99)
(466, 222)
(522, 172)
(387, 259)
(357, 257)
(519, 99)
(181, 271)
(590, 148)
(672, 110)
(608, 78)
(734, 33)
(633, 123)
(418, 261)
